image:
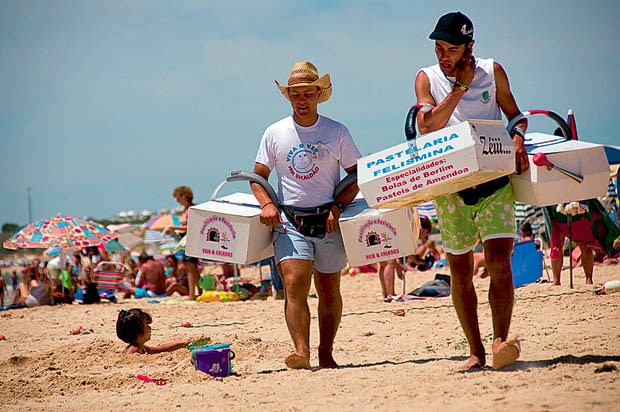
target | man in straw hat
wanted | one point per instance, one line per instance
(307, 151)
(461, 87)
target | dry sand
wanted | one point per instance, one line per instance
(389, 362)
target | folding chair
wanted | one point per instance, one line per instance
(108, 276)
(526, 263)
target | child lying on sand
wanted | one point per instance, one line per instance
(133, 327)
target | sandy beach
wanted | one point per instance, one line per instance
(570, 354)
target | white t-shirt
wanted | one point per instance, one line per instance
(479, 102)
(307, 159)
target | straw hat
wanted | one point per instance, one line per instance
(306, 74)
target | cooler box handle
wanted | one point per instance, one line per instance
(241, 175)
(554, 116)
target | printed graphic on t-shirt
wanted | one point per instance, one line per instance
(302, 160)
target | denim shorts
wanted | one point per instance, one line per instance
(327, 252)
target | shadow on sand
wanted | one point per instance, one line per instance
(518, 365)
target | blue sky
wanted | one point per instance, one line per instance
(108, 105)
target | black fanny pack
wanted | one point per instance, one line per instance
(309, 221)
(473, 194)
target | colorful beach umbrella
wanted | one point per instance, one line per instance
(66, 232)
(112, 246)
(161, 222)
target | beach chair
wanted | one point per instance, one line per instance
(107, 277)
(526, 263)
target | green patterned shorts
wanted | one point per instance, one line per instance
(461, 225)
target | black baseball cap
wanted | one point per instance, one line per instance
(455, 28)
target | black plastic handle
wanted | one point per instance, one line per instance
(554, 116)
(410, 132)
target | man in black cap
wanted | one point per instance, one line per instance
(461, 87)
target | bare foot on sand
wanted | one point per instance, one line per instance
(505, 353)
(326, 359)
(296, 361)
(474, 362)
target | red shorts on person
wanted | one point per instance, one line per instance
(580, 231)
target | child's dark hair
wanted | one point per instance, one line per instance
(130, 324)
(425, 223)
(526, 228)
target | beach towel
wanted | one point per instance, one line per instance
(436, 288)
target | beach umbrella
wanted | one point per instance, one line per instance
(66, 232)
(121, 228)
(158, 236)
(427, 209)
(161, 222)
(112, 246)
(130, 241)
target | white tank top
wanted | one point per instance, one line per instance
(479, 102)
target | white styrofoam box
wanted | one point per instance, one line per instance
(374, 235)
(448, 160)
(228, 229)
(540, 186)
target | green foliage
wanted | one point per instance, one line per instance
(9, 228)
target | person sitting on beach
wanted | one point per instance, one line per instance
(427, 252)
(30, 292)
(2, 289)
(152, 281)
(133, 327)
(173, 283)
(14, 280)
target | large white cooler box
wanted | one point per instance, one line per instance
(448, 160)
(228, 229)
(374, 235)
(539, 186)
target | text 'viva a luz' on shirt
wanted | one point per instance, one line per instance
(307, 159)
(479, 102)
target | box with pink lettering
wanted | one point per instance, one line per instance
(228, 229)
(448, 160)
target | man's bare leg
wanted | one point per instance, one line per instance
(501, 299)
(465, 303)
(297, 277)
(330, 313)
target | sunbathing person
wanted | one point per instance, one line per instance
(31, 292)
(152, 281)
(174, 282)
(133, 327)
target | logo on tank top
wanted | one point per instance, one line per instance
(486, 97)
(301, 161)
